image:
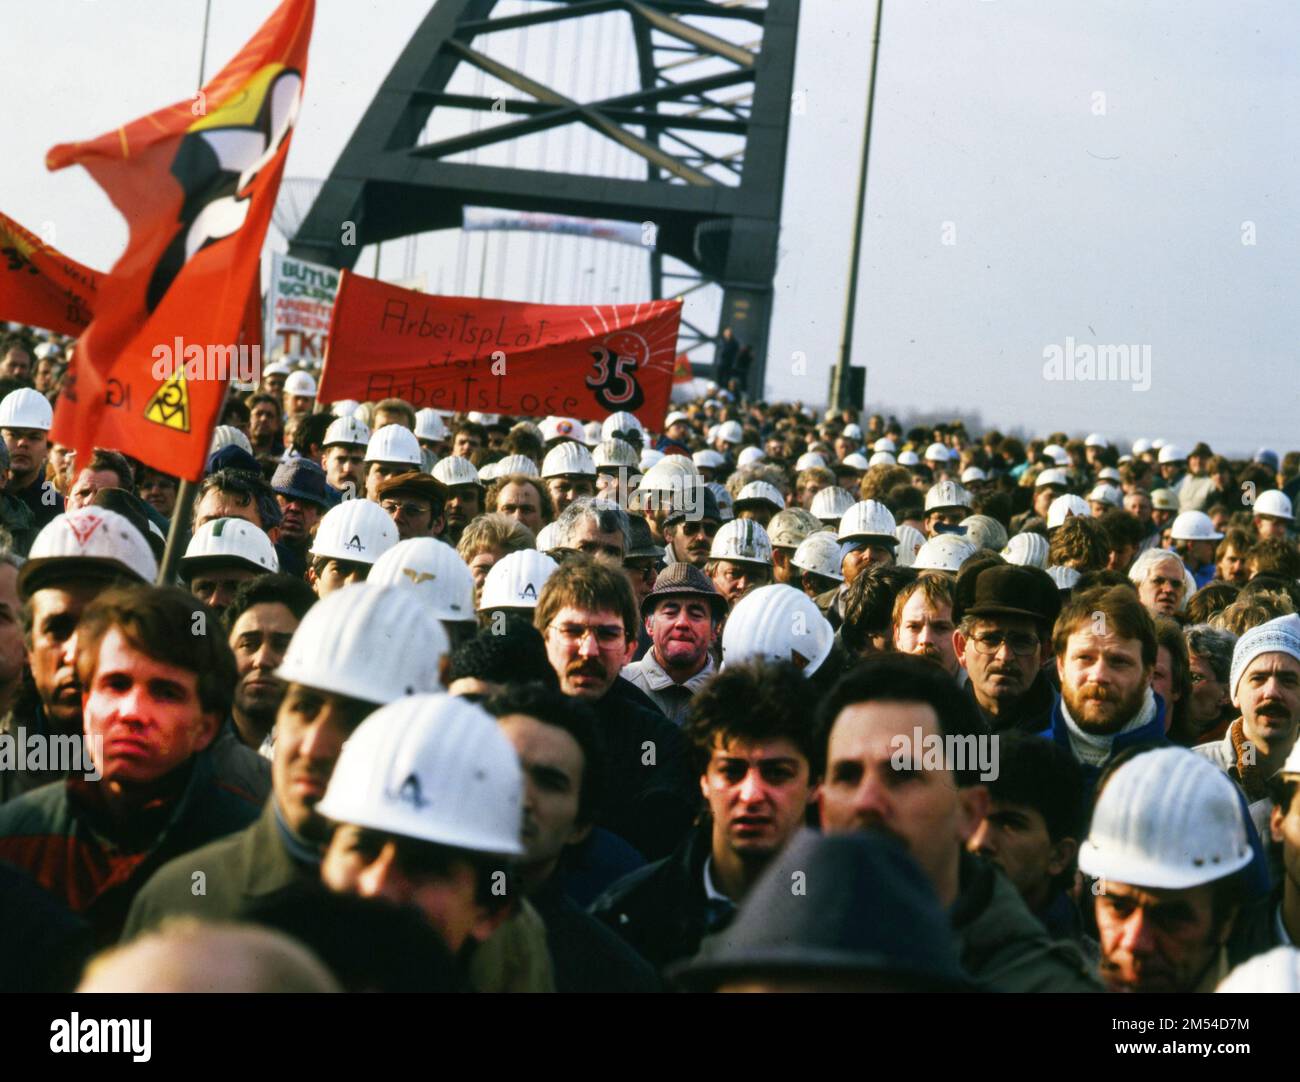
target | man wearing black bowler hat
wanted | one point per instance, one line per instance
(1004, 615)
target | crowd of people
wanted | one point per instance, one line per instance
(761, 700)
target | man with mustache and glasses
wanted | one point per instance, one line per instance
(1265, 686)
(923, 621)
(1105, 646)
(689, 529)
(359, 648)
(682, 614)
(588, 618)
(1161, 581)
(1004, 617)
(876, 779)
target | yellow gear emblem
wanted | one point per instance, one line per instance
(170, 404)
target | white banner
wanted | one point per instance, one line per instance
(641, 234)
(299, 302)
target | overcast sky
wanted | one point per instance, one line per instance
(1041, 172)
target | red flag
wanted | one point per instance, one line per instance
(40, 286)
(458, 353)
(196, 182)
(682, 369)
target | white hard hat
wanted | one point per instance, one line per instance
(1095, 439)
(777, 623)
(546, 539)
(614, 453)
(1064, 507)
(1194, 526)
(885, 444)
(867, 518)
(92, 535)
(345, 407)
(708, 459)
(1274, 504)
(731, 432)
(1066, 578)
(973, 473)
(1028, 550)
(591, 433)
(908, 458)
(515, 581)
(490, 472)
(1171, 452)
(761, 490)
(229, 541)
(554, 428)
(1057, 454)
(26, 408)
(368, 643)
(229, 436)
(478, 418)
(350, 431)
(455, 470)
(1110, 473)
(910, 541)
(742, 540)
(946, 494)
(440, 578)
(820, 554)
(726, 506)
(300, 384)
(944, 552)
(809, 460)
(1167, 819)
(279, 368)
(435, 768)
(1141, 446)
(620, 422)
(514, 464)
(673, 475)
(568, 459)
(649, 457)
(47, 349)
(749, 455)
(673, 418)
(356, 530)
(1164, 499)
(852, 432)
(429, 425)
(1107, 494)
(936, 452)
(860, 463)
(829, 504)
(1276, 970)
(985, 532)
(394, 443)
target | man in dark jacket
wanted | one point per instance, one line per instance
(587, 616)
(155, 693)
(1004, 615)
(556, 739)
(321, 706)
(931, 797)
(758, 766)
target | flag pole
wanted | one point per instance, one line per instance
(188, 490)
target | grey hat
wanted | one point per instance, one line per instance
(684, 580)
(302, 479)
(865, 910)
(640, 541)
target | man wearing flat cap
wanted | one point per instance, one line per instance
(1004, 615)
(414, 501)
(682, 614)
(303, 496)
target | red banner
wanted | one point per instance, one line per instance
(40, 286)
(196, 182)
(458, 353)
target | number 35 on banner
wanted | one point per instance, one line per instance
(613, 381)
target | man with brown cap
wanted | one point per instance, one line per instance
(681, 615)
(414, 501)
(1004, 615)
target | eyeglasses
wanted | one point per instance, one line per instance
(410, 510)
(690, 529)
(990, 642)
(607, 636)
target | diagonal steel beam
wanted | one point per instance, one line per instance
(693, 35)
